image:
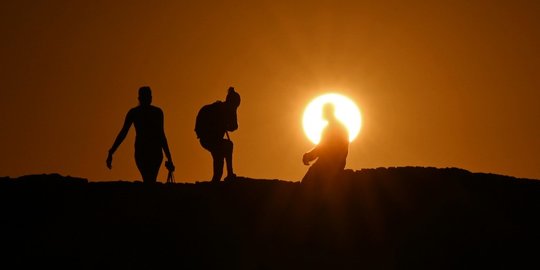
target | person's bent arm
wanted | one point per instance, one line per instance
(310, 155)
(120, 138)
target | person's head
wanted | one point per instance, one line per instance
(329, 112)
(145, 96)
(233, 98)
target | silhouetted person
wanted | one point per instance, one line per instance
(331, 152)
(150, 138)
(213, 122)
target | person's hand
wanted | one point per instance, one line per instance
(169, 165)
(306, 158)
(109, 161)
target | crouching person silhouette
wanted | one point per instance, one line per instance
(331, 152)
(150, 138)
(212, 123)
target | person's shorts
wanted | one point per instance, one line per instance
(220, 146)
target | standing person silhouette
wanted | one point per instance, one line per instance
(331, 152)
(150, 138)
(213, 122)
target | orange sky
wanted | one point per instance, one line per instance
(444, 85)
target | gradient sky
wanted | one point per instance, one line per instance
(453, 84)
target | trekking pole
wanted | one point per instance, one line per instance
(170, 176)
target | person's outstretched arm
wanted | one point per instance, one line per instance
(166, 149)
(120, 138)
(314, 153)
(169, 163)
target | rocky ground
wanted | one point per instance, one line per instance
(384, 218)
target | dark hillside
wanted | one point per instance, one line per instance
(374, 218)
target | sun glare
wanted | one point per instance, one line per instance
(346, 111)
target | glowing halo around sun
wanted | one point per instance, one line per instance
(345, 109)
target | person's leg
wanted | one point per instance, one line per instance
(142, 165)
(153, 166)
(228, 151)
(148, 162)
(147, 176)
(217, 157)
(215, 149)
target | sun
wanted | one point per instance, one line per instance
(346, 111)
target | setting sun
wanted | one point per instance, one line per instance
(346, 111)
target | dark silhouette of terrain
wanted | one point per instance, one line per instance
(382, 218)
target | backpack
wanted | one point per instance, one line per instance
(207, 123)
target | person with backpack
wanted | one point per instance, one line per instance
(213, 122)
